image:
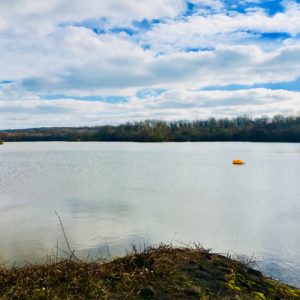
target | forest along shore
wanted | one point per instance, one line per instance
(264, 129)
(156, 273)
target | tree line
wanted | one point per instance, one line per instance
(243, 128)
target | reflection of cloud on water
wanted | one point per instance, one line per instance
(90, 223)
(285, 270)
(136, 193)
(30, 239)
(98, 206)
(116, 246)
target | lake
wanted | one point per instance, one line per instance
(123, 194)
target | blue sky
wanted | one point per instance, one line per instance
(78, 63)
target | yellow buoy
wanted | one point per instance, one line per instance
(238, 162)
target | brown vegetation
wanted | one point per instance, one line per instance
(162, 273)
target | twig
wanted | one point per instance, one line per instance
(66, 239)
(107, 248)
(56, 255)
(172, 240)
(63, 251)
(185, 244)
(89, 254)
(134, 249)
(130, 293)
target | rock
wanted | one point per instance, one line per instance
(147, 292)
(254, 272)
(208, 256)
(203, 275)
(226, 270)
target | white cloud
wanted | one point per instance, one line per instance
(43, 16)
(171, 105)
(90, 64)
(215, 29)
(101, 65)
(41, 57)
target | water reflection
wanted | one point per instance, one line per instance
(127, 193)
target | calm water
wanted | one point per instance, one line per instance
(131, 193)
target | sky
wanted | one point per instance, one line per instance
(95, 62)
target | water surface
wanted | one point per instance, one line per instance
(131, 193)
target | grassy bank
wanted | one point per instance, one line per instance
(161, 273)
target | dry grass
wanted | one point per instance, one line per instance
(161, 273)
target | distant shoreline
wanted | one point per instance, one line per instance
(162, 142)
(242, 129)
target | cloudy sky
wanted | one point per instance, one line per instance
(78, 63)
